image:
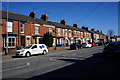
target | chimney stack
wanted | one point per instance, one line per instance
(87, 28)
(83, 27)
(97, 30)
(32, 14)
(92, 29)
(63, 22)
(44, 17)
(75, 25)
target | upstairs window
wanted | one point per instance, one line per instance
(59, 31)
(9, 26)
(21, 27)
(74, 33)
(36, 30)
(50, 30)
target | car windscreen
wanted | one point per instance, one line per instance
(114, 45)
(83, 43)
(27, 47)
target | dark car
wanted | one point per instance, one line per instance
(112, 49)
(100, 44)
(75, 46)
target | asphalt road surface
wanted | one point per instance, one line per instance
(82, 64)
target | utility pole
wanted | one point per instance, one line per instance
(7, 29)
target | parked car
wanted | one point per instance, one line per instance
(112, 49)
(86, 45)
(75, 46)
(94, 44)
(32, 50)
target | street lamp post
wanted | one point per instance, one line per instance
(7, 30)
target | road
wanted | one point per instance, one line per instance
(84, 64)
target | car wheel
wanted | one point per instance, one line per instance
(27, 54)
(44, 52)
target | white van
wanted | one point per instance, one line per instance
(32, 49)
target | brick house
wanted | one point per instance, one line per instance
(25, 30)
(22, 30)
(87, 35)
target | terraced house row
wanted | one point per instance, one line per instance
(25, 30)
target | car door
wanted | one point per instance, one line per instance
(41, 48)
(34, 49)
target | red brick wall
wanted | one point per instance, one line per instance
(4, 26)
(1, 40)
(81, 35)
(43, 30)
(28, 29)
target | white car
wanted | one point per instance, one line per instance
(86, 45)
(32, 50)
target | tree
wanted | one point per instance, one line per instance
(48, 39)
(110, 32)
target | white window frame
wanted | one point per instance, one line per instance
(69, 33)
(66, 33)
(36, 29)
(10, 42)
(22, 27)
(50, 30)
(9, 26)
(63, 32)
(59, 30)
(74, 33)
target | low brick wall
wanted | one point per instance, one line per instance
(53, 48)
(60, 47)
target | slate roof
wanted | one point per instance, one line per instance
(59, 25)
(19, 17)
(95, 32)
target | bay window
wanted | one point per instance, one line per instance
(11, 42)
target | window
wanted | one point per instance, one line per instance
(60, 41)
(69, 33)
(22, 27)
(35, 46)
(66, 33)
(36, 30)
(78, 33)
(11, 42)
(50, 29)
(59, 31)
(9, 26)
(63, 32)
(74, 33)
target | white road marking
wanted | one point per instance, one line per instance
(27, 64)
